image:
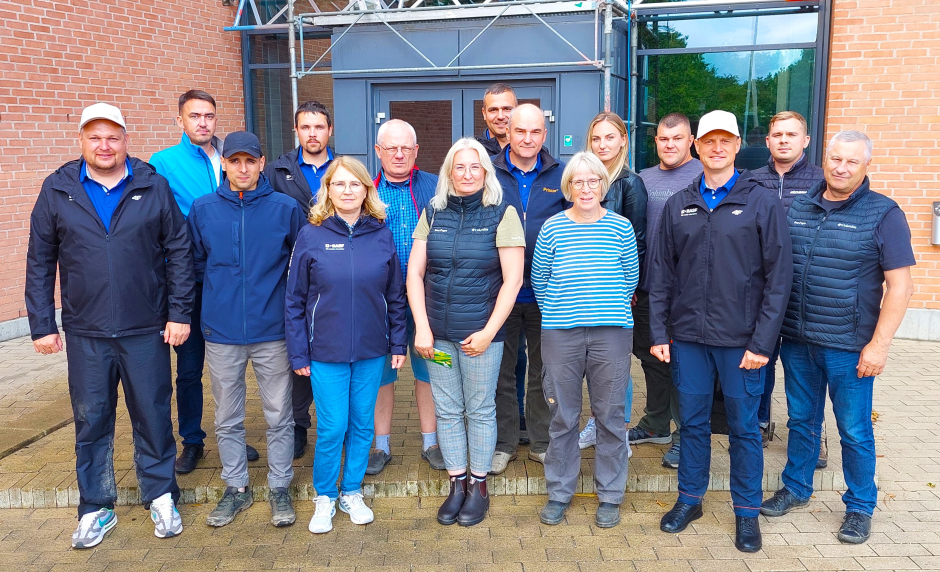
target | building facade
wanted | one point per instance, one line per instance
(865, 64)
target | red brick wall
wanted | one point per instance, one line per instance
(885, 80)
(58, 57)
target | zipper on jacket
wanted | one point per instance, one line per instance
(780, 192)
(352, 298)
(453, 268)
(313, 317)
(111, 282)
(708, 241)
(809, 257)
(241, 204)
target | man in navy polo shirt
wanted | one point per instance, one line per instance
(297, 173)
(531, 181)
(109, 225)
(721, 274)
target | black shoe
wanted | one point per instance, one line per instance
(679, 517)
(186, 462)
(251, 453)
(448, 512)
(300, 442)
(474, 508)
(608, 515)
(523, 432)
(553, 512)
(747, 533)
(781, 503)
(856, 528)
(378, 459)
(434, 457)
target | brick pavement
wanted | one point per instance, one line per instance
(405, 535)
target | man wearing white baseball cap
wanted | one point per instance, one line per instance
(111, 226)
(720, 279)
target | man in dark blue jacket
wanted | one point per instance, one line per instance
(242, 240)
(405, 190)
(531, 182)
(110, 224)
(721, 275)
(851, 285)
(790, 174)
(297, 174)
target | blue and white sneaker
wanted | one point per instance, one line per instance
(93, 527)
(588, 436)
(165, 517)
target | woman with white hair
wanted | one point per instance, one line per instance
(464, 273)
(584, 272)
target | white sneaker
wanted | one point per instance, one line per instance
(588, 436)
(356, 508)
(93, 527)
(322, 520)
(166, 518)
(500, 462)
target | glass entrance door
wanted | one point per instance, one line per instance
(441, 114)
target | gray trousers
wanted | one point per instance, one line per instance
(568, 355)
(227, 364)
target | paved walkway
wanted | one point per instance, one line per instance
(406, 536)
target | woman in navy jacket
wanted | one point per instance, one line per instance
(345, 314)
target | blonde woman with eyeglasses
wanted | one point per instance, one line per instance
(584, 271)
(345, 315)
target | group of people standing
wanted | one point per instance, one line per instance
(325, 278)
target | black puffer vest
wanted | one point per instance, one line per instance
(463, 275)
(828, 305)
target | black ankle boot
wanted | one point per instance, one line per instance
(477, 503)
(447, 514)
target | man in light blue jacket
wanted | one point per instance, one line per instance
(193, 167)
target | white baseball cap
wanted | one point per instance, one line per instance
(717, 120)
(102, 111)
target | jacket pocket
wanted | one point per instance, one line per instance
(754, 381)
(224, 243)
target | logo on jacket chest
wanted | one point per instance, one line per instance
(689, 212)
(334, 246)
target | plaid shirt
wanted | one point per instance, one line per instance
(401, 216)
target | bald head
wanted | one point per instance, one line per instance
(526, 135)
(396, 146)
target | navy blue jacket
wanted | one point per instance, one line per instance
(722, 278)
(128, 282)
(423, 187)
(242, 248)
(286, 177)
(345, 294)
(795, 183)
(830, 304)
(545, 201)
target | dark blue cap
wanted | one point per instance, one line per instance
(241, 142)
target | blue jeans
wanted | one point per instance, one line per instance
(466, 393)
(695, 366)
(344, 394)
(763, 413)
(808, 371)
(190, 359)
(419, 365)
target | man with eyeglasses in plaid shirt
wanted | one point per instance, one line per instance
(405, 190)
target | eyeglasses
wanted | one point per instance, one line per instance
(354, 186)
(591, 183)
(392, 151)
(475, 170)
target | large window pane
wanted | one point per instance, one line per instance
(735, 31)
(433, 124)
(752, 85)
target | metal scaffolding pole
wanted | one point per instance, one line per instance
(292, 52)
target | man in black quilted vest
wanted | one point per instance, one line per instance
(851, 285)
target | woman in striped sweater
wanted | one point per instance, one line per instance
(584, 272)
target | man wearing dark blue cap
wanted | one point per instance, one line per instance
(243, 235)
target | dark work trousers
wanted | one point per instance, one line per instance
(142, 365)
(662, 397)
(570, 355)
(521, 364)
(302, 397)
(190, 359)
(525, 317)
(763, 412)
(696, 366)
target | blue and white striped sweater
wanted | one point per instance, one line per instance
(585, 274)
